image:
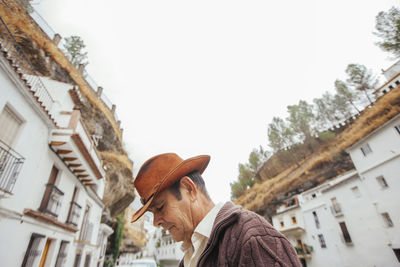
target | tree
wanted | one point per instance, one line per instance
(325, 110)
(245, 181)
(342, 108)
(116, 237)
(344, 92)
(388, 28)
(280, 135)
(257, 158)
(74, 46)
(361, 79)
(237, 189)
(301, 119)
(248, 171)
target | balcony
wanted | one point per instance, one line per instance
(75, 213)
(336, 210)
(52, 200)
(288, 204)
(10, 166)
(292, 229)
(304, 251)
(74, 146)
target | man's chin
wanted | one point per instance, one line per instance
(174, 234)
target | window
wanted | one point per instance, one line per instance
(85, 228)
(345, 232)
(356, 191)
(387, 219)
(294, 220)
(316, 220)
(33, 250)
(397, 128)
(10, 165)
(77, 261)
(322, 241)
(335, 205)
(52, 199)
(9, 125)
(74, 209)
(397, 253)
(87, 260)
(382, 182)
(62, 254)
(366, 149)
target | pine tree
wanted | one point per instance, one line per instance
(74, 46)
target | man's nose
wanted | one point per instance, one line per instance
(156, 220)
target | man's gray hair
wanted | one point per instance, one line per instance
(197, 180)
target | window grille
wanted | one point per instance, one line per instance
(322, 241)
(62, 254)
(366, 149)
(33, 250)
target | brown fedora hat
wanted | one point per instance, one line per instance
(162, 171)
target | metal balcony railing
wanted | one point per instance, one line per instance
(75, 214)
(10, 166)
(24, 67)
(54, 200)
(304, 250)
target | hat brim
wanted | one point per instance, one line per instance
(198, 163)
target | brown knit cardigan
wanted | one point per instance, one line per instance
(243, 238)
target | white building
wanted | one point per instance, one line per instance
(341, 223)
(160, 246)
(377, 160)
(51, 178)
(392, 75)
(339, 216)
(289, 221)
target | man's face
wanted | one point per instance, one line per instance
(173, 215)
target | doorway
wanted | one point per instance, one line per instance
(45, 252)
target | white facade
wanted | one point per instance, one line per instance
(51, 179)
(289, 221)
(379, 171)
(160, 246)
(354, 219)
(340, 223)
(392, 75)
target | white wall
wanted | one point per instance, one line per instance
(385, 145)
(367, 230)
(32, 142)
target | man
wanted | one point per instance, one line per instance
(213, 235)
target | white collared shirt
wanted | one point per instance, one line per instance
(200, 237)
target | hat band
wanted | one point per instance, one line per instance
(144, 201)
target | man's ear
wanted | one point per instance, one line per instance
(188, 187)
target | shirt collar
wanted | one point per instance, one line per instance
(206, 224)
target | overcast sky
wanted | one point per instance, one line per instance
(206, 77)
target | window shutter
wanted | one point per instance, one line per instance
(9, 125)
